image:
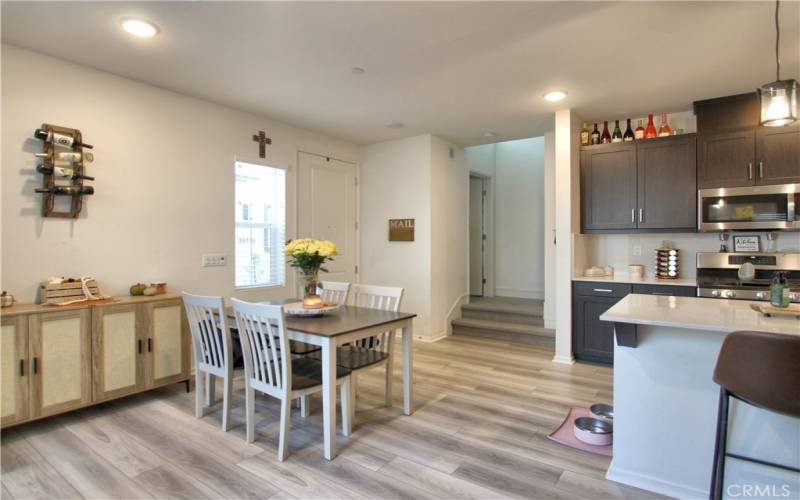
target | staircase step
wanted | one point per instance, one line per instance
(504, 331)
(528, 312)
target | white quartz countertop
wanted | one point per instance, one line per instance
(647, 280)
(698, 313)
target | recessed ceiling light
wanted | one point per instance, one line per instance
(140, 28)
(489, 134)
(396, 125)
(555, 95)
(357, 71)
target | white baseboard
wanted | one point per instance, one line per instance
(566, 360)
(654, 484)
(431, 340)
(519, 294)
(453, 313)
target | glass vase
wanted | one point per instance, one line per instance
(308, 283)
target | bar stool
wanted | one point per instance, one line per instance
(760, 369)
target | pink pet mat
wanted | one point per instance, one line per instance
(566, 436)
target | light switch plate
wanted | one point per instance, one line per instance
(214, 260)
(637, 250)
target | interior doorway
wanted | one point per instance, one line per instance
(477, 235)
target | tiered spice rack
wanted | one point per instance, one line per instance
(49, 180)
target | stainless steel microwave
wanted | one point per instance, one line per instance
(749, 208)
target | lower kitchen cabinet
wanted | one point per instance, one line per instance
(54, 361)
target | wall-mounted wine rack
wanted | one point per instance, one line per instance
(50, 159)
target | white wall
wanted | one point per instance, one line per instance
(416, 178)
(519, 218)
(164, 188)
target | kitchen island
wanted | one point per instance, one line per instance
(665, 400)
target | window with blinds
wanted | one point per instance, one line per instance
(260, 225)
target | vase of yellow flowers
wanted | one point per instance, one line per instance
(308, 255)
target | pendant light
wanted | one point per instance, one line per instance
(779, 98)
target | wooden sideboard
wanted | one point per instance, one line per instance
(59, 358)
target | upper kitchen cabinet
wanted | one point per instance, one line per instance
(645, 186)
(608, 187)
(778, 155)
(734, 151)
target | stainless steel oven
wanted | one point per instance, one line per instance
(749, 208)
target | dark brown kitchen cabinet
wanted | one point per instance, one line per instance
(646, 186)
(667, 185)
(778, 155)
(726, 159)
(608, 187)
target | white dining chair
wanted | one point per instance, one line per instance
(374, 351)
(211, 344)
(334, 292)
(262, 333)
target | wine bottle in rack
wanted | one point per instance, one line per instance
(66, 141)
(595, 137)
(628, 135)
(67, 173)
(67, 190)
(606, 137)
(639, 132)
(87, 156)
(617, 135)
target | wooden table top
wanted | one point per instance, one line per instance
(344, 320)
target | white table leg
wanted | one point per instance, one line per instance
(329, 397)
(390, 370)
(408, 365)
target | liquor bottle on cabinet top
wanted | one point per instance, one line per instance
(650, 131)
(595, 137)
(664, 130)
(584, 135)
(67, 173)
(617, 135)
(606, 137)
(639, 132)
(66, 141)
(628, 135)
(68, 190)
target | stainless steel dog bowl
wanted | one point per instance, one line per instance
(602, 411)
(593, 431)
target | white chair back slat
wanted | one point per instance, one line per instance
(211, 338)
(334, 292)
(265, 346)
(386, 298)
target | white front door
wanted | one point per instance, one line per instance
(476, 232)
(326, 210)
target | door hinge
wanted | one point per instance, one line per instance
(356, 269)
(483, 237)
(355, 181)
(356, 225)
(484, 192)
(483, 281)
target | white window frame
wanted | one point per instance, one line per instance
(287, 190)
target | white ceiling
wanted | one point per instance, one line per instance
(449, 68)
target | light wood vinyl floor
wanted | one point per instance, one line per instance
(483, 410)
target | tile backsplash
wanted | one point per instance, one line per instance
(618, 250)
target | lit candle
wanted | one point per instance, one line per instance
(313, 302)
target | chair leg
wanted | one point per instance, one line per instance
(283, 443)
(210, 389)
(718, 469)
(226, 403)
(250, 413)
(198, 393)
(347, 422)
(305, 406)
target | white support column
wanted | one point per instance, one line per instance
(567, 220)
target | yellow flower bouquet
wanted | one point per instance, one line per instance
(308, 255)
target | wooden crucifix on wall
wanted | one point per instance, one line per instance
(262, 140)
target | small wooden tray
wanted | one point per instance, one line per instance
(769, 310)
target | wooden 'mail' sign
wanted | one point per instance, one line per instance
(401, 229)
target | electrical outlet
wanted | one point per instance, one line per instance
(214, 260)
(637, 250)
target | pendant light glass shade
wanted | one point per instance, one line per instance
(778, 103)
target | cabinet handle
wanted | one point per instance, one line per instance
(21, 367)
(641, 214)
(633, 215)
(140, 345)
(604, 290)
(761, 170)
(149, 344)
(750, 171)
(35, 366)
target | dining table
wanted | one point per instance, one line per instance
(342, 326)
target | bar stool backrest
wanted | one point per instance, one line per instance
(762, 369)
